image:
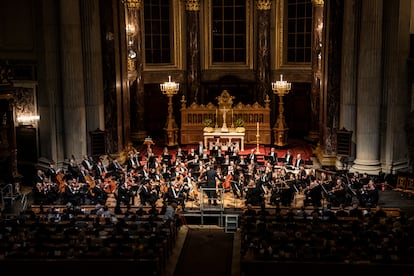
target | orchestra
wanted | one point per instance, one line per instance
(177, 177)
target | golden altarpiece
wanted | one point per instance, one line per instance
(255, 117)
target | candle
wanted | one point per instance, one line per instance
(257, 128)
(232, 115)
(216, 116)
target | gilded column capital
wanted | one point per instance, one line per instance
(132, 4)
(263, 5)
(192, 5)
(318, 2)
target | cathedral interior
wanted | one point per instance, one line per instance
(102, 78)
(94, 77)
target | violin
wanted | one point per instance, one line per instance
(110, 185)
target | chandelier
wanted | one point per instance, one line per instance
(169, 87)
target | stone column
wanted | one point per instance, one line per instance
(192, 8)
(263, 49)
(73, 92)
(348, 95)
(330, 84)
(317, 44)
(133, 20)
(369, 88)
(92, 57)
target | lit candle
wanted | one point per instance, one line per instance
(257, 128)
(169, 78)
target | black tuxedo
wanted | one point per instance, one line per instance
(251, 157)
(272, 157)
(299, 163)
(289, 159)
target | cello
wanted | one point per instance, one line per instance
(226, 183)
(61, 181)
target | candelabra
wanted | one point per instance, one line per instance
(280, 129)
(170, 89)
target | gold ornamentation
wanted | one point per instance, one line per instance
(263, 5)
(318, 2)
(131, 65)
(192, 5)
(133, 4)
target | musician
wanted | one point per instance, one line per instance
(40, 189)
(87, 163)
(73, 169)
(124, 195)
(166, 157)
(115, 168)
(231, 149)
(219, 157)
(355, 181)
(239, 184)
(299, 161)
(98, 194)
(132, 162)
(254, 193)
(180, 154)
(74, 192)
(313, 193)
(176, 194)
(337, 194)
(289, 158)
(40, 175)
(369, 194)
(205, 156)
(191, 155)
(189, 187)
(235, 156)
(252, 156)
(165, 172)
(152, 161)
(99, 170)
(302, 178)
(83, 173)
(200, 148)
(51, 172)
(272, 156)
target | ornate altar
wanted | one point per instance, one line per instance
(8, 152)
(224, 115)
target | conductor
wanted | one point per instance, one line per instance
(210, 175)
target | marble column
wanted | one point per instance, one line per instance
(317, 46)
(133, 17)
(330, 84)
(92, 57)
(133, 21)
(395, 135)
(263, 49)
(193, 50)
(347, 119)
(369, 88)
(73, 92)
